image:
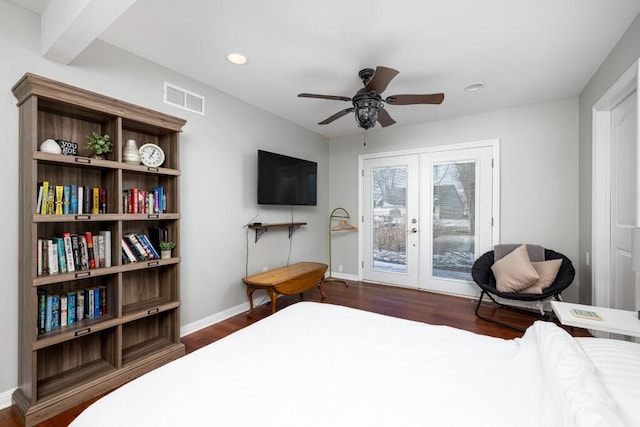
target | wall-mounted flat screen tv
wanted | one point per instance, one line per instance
(284, 180)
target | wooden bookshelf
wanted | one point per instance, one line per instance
(141, 327)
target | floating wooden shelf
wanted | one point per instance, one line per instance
(263, 228)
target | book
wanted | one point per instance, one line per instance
(142, 238)
(66, 200)
(95, 200)
(39, 255)
(79, 306)
(84, 252)
(89, 303)
(86, 199)
(136, 247)
(48, 320)
(55, 312)
(39, 200)
(585, 314)
(107, 247)
(97, 301)
(75, 250)
(71, 308)
(90, 250)
(42, 311)
(73, 206)
(50, 200)
(45, 197)
(103, 300)
(59, 199)
(127, 251)
(80, 200)
(53, 257)
(45, 257)
(62, 257)
(103, 201)
(63, 310)
(68, 250)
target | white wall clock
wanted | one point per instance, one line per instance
(151, 155)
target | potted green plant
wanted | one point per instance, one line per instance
(165, 249)
(99, 145)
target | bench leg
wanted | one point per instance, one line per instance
(321, 286)
(274, 298)
(250, 290)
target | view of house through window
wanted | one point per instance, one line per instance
(390, 219)
(453, 220)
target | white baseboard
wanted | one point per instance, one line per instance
(241, 308)
(218, 317)
(5, 398)
(345, 276)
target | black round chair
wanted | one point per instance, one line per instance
(483, 276)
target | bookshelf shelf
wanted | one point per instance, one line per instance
(135, 325)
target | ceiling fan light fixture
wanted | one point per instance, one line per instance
(237, 58)
(474, 87)
(366, 110)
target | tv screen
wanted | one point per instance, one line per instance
(284, 180)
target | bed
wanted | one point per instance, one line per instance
(314, 364)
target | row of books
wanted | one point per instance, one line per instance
(137, 201)
(137, 247)
(70, 199)
(73, 252)
(58, 310)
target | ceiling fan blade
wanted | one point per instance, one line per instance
(336, 116)
(433, 98)
(334, 97)
(384, 118)
(380, 79)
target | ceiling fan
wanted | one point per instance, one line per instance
(368, 103)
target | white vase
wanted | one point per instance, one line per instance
(130, 153)
(166, 254)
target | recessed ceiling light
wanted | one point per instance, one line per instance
(237, 58)
(473, 87)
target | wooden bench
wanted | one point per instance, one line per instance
(290, 280)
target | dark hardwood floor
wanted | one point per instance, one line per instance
(410, 304)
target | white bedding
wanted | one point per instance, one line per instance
(317, 364)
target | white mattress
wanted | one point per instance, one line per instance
(317, 364)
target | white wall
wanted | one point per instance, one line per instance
(218, 186)
(539, 171)
(619, 60)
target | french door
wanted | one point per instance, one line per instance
(427, 217)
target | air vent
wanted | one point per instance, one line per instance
(182, 98)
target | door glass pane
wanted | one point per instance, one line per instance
(454, 207)
(389, 201)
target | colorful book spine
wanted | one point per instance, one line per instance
(53, 257)
(48, 321)
(71, 308)
(95, 200)
(106, 240)
(68, 249)
(59, 199)
(63, 310)
(55, 312)
(42, 311)
(90, 249)
(45, 197)
(66, 200)
(79, 306)
(73, 207)
(62, 257)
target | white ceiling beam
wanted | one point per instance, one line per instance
(68, 27)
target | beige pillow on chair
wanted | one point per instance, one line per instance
(514, 271)
(547, 270)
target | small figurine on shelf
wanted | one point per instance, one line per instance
(165, 249)
(99, 145)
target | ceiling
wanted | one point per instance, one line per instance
(525, 51)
